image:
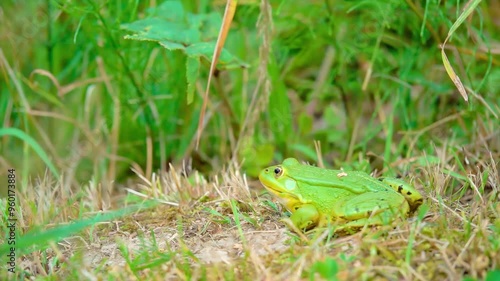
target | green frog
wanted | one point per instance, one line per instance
(316, 197)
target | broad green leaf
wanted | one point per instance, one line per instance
(194, 34)
(174, 29)
(172, 46)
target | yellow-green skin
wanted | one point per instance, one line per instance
(317, 196)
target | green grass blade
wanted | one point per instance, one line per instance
(32, 142)
(40, 239)
(469, 8)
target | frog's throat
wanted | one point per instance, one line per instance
(281, 194)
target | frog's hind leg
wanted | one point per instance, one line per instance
(372, 208)
(413, 197)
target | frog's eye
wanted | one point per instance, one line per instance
(278, 171)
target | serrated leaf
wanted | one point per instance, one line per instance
(192, 71)
(172, 46)
(174, 29)
(155, 29)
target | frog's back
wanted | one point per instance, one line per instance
(354, 181)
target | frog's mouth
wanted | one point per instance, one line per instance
(277, 192)
(283, 195)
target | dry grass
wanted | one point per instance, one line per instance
(225, 229)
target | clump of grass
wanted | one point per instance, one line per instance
(211, 235)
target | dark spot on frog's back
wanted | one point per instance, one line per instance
(400, 188)
(408, 193)
(380, 179)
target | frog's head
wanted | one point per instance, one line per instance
(277, 180)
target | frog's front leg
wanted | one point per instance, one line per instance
(372, 208)
(305, 216)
